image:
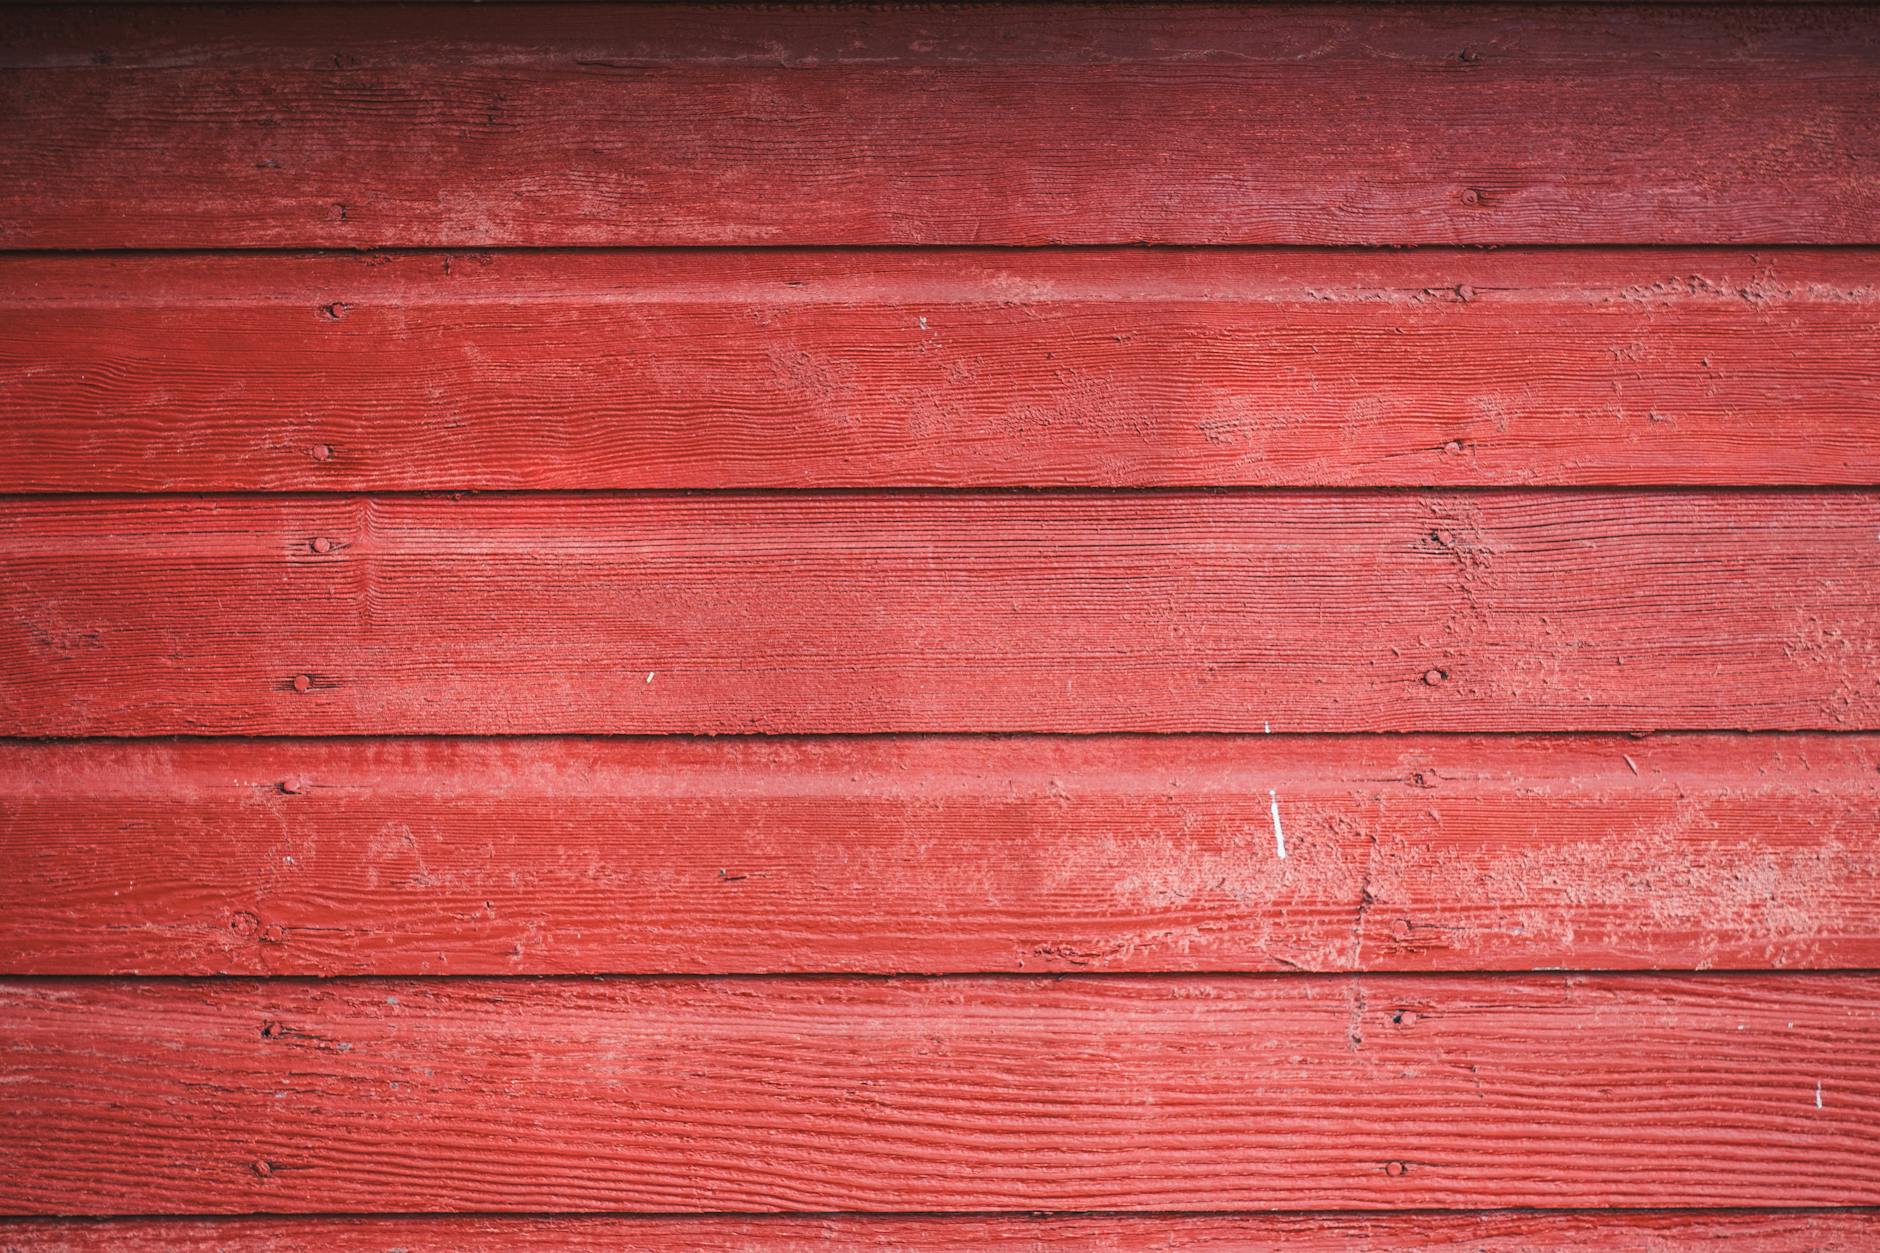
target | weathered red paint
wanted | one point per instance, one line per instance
(810, 613)
(884, 856)
(1103, 367)
(1193, 1079)
(1827, 1231)
(544, 125)
(965, 1094)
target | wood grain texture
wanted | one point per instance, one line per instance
(1295, 1092)
(544, 125)
(940, 612)
(557, 856)
(982, 368)
(1829, 1231)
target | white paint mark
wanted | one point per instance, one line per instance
(1268, 726)
(1817, 1094)
(1279, 836)
(649, 676)
(923, 323)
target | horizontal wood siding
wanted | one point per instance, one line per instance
(868, 613)
(1297, 1092)
(543, 126)
(940, 627)
(549, 856)
(982, 368)
(1789, 1232)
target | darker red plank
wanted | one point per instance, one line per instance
(547, 125)
(881, 856)
(1789, 1232)
(946, 612)
(807, 369)
(934, 1095)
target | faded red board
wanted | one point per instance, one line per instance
(940, 1095)
(795, 369)
(550, 126)
(1824, 1232)
(1161, 1095)
(553, 856)
(883, 612)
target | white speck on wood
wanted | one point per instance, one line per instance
(1279, 836)
(1817, 1094)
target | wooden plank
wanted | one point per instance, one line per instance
(982, 368)
(1117, 1093)
(1827, 1231)
(1296, 125)
(945, 855)
(866, 612)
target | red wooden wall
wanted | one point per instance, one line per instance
(940, 628)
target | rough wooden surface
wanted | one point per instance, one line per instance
(1618, 479)
(872, 612)
(829, 369)
(550, 856)
(545, 125)
(1789, 1232)
(1169, 1093)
